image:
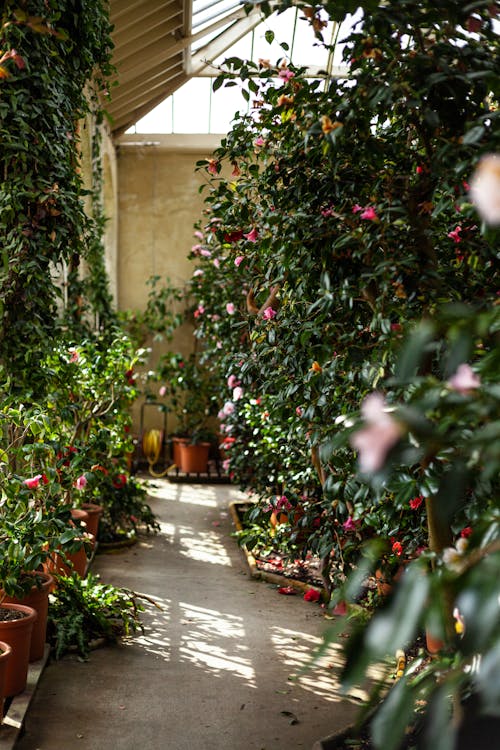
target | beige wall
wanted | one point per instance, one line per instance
(158, 204)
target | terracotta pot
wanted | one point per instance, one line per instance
(77, 560)
(434, 645)
(38, 599)
(80, 515)
(5, 653)
(176, 451)
(194, 457)
(94, 514)
(277, 517)
(17, 633)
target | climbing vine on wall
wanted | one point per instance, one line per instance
(48, 53)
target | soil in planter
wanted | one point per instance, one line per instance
(11, 614)
(306, 571)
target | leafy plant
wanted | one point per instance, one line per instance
(82, 611)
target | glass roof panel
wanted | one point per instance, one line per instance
(214, 111)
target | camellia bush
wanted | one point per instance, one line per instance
(66, 365)
(346, 293)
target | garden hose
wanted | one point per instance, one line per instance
(151, 446)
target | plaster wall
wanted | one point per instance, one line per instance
(158, 202)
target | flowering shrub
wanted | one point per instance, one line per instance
(343, 264)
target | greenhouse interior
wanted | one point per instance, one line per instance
(249, 360)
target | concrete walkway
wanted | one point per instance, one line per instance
(213, 669)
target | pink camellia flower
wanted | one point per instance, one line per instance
(269, 313)
(198, 272)
(419, 169)
(455, 234)
(238, 260)
(259, 141)
(212, 167)
(237, 393)
(74, 355)
(485, 188)
(349, 525)
(198, 234)
(253, 235)
(232, 381)
(230, 308)
(283, 503)
(81, 482)
(216, 262)
(357, 208)
(33, 482)
(298, 411)
(312, 595)
(369, 213)
(205, 253)
(225, 464)
(236, 170)
(162, 391)
(196, 249)
(464, 380)
(228, 408)
(285, 74)
(381, 433)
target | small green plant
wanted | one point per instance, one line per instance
(84, 610)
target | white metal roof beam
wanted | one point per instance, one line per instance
(205, 55)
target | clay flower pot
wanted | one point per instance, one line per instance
(5, 653)
(38, 599)
(94, 514)
(77, 561)
(194, 457)
(176, 451)
(17, 633)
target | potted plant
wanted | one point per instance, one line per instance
(192, 396)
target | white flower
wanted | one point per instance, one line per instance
(453, 557)
(485, 188)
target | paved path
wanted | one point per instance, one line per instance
(212, 671)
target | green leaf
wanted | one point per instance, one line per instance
(269, 36)
(393, 716)
(414, 350)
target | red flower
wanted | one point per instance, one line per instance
(312, 595)
(397, 548)
(466, 532)
(119, 481)
(33, 482)
(233, 236)
(416, 502)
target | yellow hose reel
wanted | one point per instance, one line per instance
(152, 441)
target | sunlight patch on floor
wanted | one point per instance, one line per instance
(167, 530)
(155, 639)
(317, 675)
(215, 641)
(203, 546)
(198, 495)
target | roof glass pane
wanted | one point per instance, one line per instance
(215, 111)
